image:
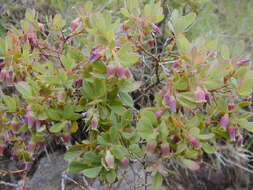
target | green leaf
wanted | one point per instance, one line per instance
(190, 164)
(145, 128)
(125, 12)
(183, 44)
(118, 109)
(69, 156)
(92, 172)
(53, 114)
(127, 56)
(111, 176)
(205, 136)
(87, 90)
(118, 151)
(183, 22)
(57, 127)
(246, 124)
(58, 21)
(24, 89)
(208, 148)
(225, 52)
(194, 131)
(150, 116)
(68, 62)
(91, 158)
(88, 6)
(126, 99)
(10, 102)
(76, 166)
(157, 181)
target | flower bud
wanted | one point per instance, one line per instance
(171, 102)
(2, 63)
(232, 132)
(231, 106)
(150, 147)
(176, 64)
(94, 123)
(30, 119)
(125, 163)
(74, 24)
(156, 29)
(31, 38)
(175, 140)
(224, 121)
(158, 114)
(120, 72)
(109, 159)
(200, 95)
(210, 54)
(31, 147)
(128, 73)
(194, 141)
(4, 75)
(165, 149)
(95, 54)
(239, 140)
(207, 97)
(78, 83)
(2, 150)
(110, 71)
(243, 61)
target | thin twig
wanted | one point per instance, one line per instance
(9, 184)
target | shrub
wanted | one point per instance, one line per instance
(80, 85)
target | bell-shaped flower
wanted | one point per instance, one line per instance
(224, 121)
(109, 159)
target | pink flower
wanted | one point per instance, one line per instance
(210, 53)
(78, 83)
(95, 54)
(171, 102)
(120, 72)
(2, 63)
(176, 64)
(207, 97)
(30, 119)
(156, 29)
(239, 140)
(110, 71)
(150, 147)
(31, 38)
(31, 147)
(231, 106)
(128, 73)
(243, 61)
(165, 149)
(224, 121)
(109, 159)
(194, 141)
(200, 95)
(2, 150)
(125, 163)
(94, 123)
(232, 132)
(74, 24)
(158, 114)
(5, 76)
